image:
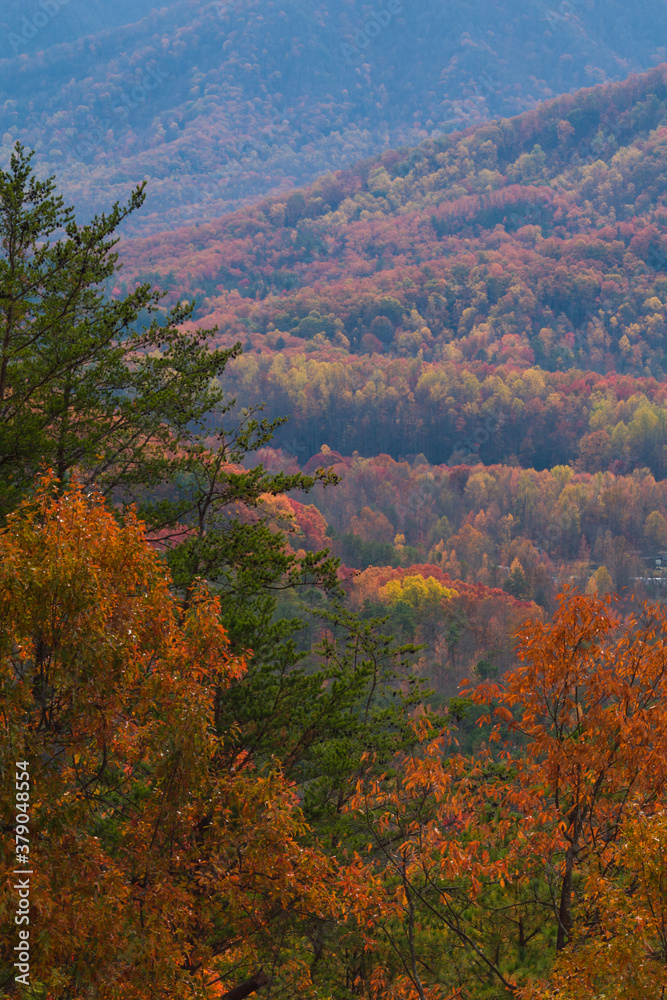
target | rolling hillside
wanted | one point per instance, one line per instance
(218, 104)
(538, 240)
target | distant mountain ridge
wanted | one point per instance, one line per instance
(423, 280)
(220, 103)
(28, 28)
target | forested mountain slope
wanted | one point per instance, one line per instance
(398, 306)
(223, 102)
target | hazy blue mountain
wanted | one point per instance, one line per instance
(27, 28)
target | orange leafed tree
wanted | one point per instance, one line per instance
(162, 865)
(553, 834)
(591, 701)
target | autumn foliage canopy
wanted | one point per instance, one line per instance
(161, 858)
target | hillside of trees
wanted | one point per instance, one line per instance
(501, 294)
(220, 103)
(489, 532)
(551, 221)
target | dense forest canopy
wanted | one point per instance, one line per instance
(332, 569)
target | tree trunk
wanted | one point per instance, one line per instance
(249, 986)
(565, 908)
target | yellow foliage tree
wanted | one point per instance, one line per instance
(423, 594)
(600, 583)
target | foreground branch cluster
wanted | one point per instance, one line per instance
(170, 862)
